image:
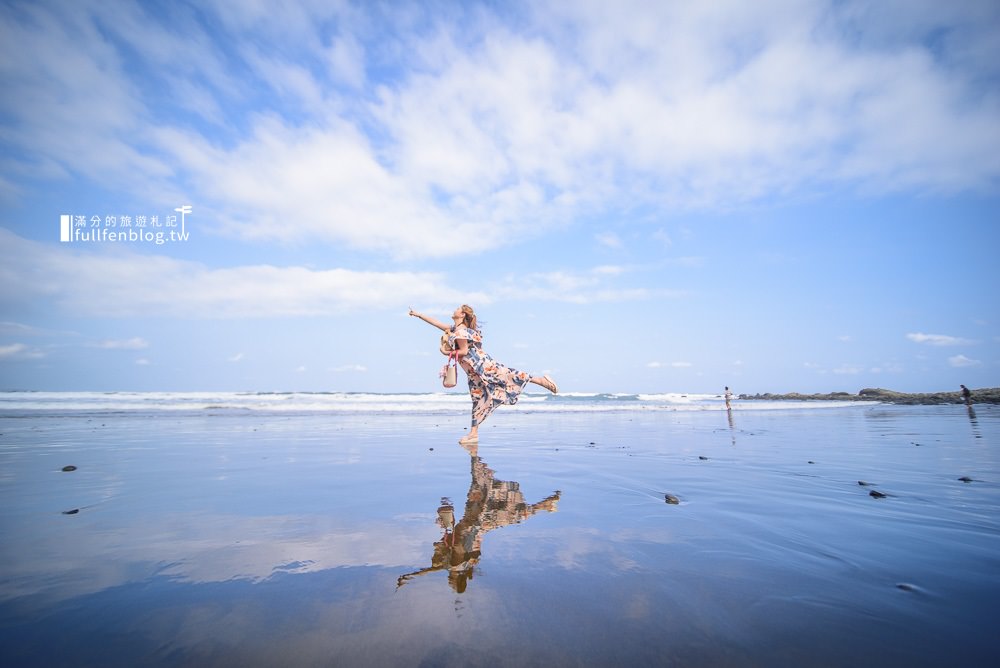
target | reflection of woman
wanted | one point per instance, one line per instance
(491, 504)
(491, 384)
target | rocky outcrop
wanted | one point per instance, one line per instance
(989, 395)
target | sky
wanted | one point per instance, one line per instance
(774, 196)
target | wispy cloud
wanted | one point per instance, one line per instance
(357, 368)
(92, 283)
(938, 339)
(102, 285)
(579, 287)
(19, 351)
(578, 108)
(135, 343)
(609, 270)
(18, 328)
(961, 361)
(674, 365)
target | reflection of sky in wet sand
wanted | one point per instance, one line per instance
(194, 510)
(260, 542)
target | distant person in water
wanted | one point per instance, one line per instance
(729, 398)
(491, 384)
(966, 395)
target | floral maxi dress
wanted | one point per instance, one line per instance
(491, 384)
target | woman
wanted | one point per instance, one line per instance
(491, 384)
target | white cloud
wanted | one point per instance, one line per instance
(142, 361)
(325, 182)
(15, 351)
(236, 358)
(357, 368)
(609, 270)
(577, 287)
(104, 285)
(675, 365)
(135, 343)
(488, 129)
(960, 361)
(848, 370)
(938, 339)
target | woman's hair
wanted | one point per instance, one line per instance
(470, 317)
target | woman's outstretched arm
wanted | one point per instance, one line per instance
(430, 321)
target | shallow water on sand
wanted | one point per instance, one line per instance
(217, 539)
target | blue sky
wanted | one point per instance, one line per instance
(636, 197)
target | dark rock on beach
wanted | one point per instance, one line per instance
(990, 395)
(671, 499)
(67, 469)
(875, 494)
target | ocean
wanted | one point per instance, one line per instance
(380, 403)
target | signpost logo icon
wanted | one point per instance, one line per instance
(65, 227)
(183, 210)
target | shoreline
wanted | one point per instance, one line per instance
(990, 395)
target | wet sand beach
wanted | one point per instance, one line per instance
(698, 538)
